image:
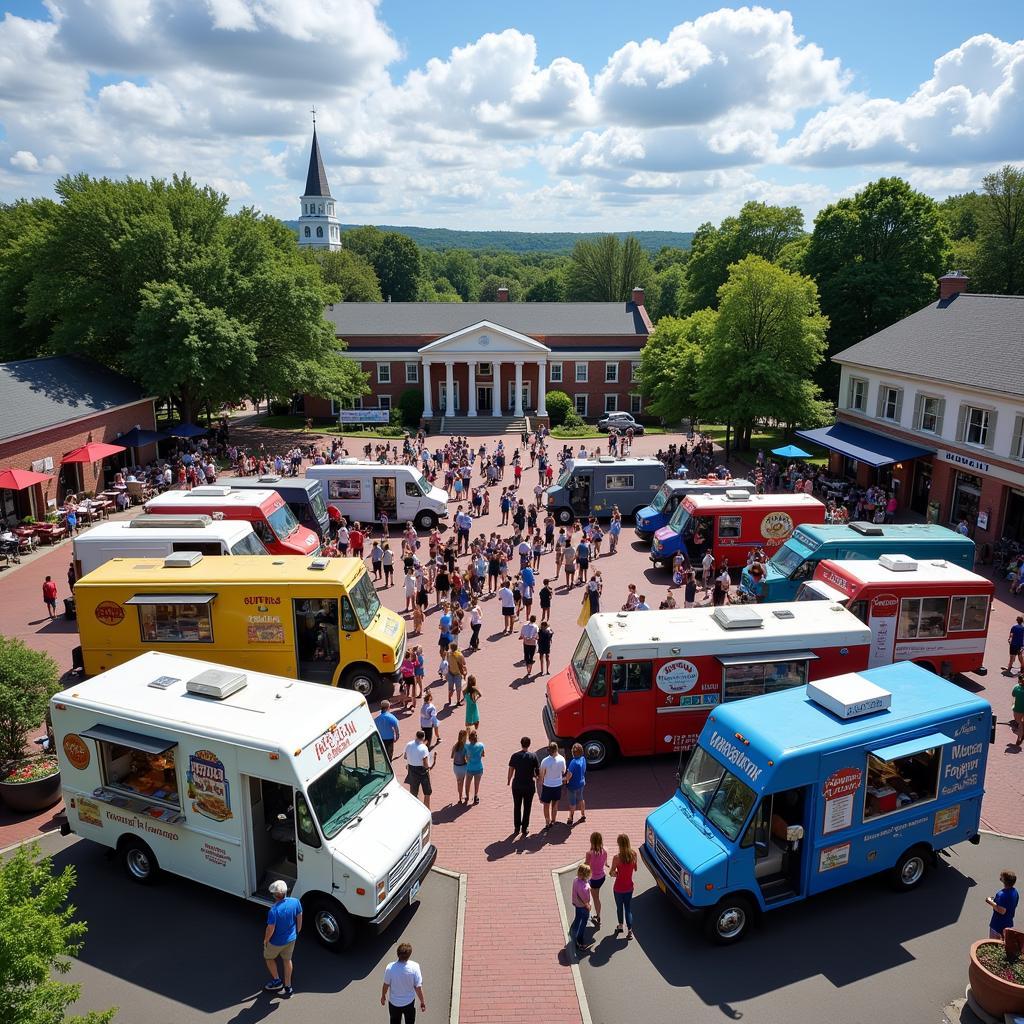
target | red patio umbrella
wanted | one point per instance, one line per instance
(94, 451)
(19, 479)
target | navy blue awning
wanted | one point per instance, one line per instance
(864, 445)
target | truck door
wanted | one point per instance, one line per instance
(632, 714)
(580, 494)
(773, 845)
(317, 651)
(385, 497)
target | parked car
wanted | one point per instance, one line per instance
(620, 421)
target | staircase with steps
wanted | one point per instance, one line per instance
(476, 426)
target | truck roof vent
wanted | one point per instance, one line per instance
(272, 479)
(897, 563)
(737, 616)
(606, 458)
(737, 494)
(783, 613)
(144, 522)
(209, 491)
(319, 564)
(183, 559)
(216, 683)
(849, 695)
(866, 529)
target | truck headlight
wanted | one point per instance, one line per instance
(425, 834)
(650, 836)
(657, 545)
(686, 881)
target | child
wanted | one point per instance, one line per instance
(428, 721)
(472, 703)
(442, 668)
(581, 898)
(597, 858)
(419, 672)
(408, 678)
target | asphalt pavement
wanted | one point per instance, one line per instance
(856, 954)
(178, 952)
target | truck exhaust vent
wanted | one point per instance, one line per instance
(866, 529)
(737, 494)
(737, 616)
(183, 559)
(216, 683)
(144, 522)
(897, 563)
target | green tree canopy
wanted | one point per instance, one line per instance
(397, 263)
(550, 288)
(349, 272)
(459, 268)
(670, 364)
(1000, 253)
(23, 227)
(607, 270)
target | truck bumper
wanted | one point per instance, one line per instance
(549, 728)
(443, 514)
(400, 899)
(668, 886)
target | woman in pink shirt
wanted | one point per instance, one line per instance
(597, 859)
(623, 866)
(581, 907)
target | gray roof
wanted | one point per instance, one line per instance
(316, 176)
(438, 319)
(971, 340)
(40, 393)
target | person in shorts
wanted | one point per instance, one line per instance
(576, 771)
(552, 776)
(419, 760)
(1016, 640)
(284, 922)
(1018, 711)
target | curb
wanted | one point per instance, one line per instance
(460, 927)
(574, 967)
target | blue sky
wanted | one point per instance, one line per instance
(557, 115)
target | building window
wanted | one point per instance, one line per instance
(1017, 441)
(556, 373)
(319, 232)
(383, 373)
(582, 374)
(321, 209)
(611, 403)
(307, 231)
(383, 401)
(580, 401)
(634, 371)
(857, 395)
(929, 414)
(412, 373)
(977, 426)
(611, 373)
(890, 403)
(485, 370)
(636, 404)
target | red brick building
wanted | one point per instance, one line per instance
(49, 407)
(495, 359)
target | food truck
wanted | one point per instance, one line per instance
(931, 612)
(594, 487)
(237, 779)
(644, 682)
(317, 619)
(158, 536)
(361, 490)
(266, 511)
(653, 517)
(732, 523)
(797, 792)
(305, 497)
(811, 544)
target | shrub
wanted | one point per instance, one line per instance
(559, 405)
(28, 679)
(573, 418)
(278, 408)
(410, 405)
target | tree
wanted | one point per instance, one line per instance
(558, 405)
(768, 337)
(349, 272)
(671, 292)
(398, 267)
(758, 229)
(1000, 256)
(22, 230)
(492, 282)
(670, 364)
(550, 288)
(460, 270)
(410, 403)
(606, 270)
(28, 679)
(40, 935)
(438, 289)
(365, 241)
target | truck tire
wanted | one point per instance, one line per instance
(599, 749)
(365, 680)
(138, 861)
(910, 869)
(564, 516)
(425, 521)
(332, 924)
(729, 921)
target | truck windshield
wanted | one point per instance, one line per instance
(424, 485)
(250, 544)
(718, 794)
(584, 661)
(283, 522)
(661, 497)
(788, 558)
(345, 789)
(680, 518)
(365, 601)
(316, 501)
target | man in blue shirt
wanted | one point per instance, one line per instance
(284, 922)
(1016, 639)
(387, 726)
(1003, 905)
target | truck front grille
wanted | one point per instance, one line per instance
(666, 858)
(397, 873)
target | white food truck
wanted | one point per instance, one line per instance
(237, 779)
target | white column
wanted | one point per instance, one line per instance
(542, 387)
(519, 388)
(471, 404)
(449, 398)
(496, 402)
(428, 400)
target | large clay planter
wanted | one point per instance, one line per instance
(28, 797)
(994, 994)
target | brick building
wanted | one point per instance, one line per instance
(49, 407)
(934, 407)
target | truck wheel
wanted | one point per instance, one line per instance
(910, 869)
(332, 924)
(139, 862)
(564, 516)
(729, 921)
(599, 750)
(363, 679)
(426, 521)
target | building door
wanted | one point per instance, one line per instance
(484, 398)
(922, 486)
(966, 499)
(1013, 521)
(527, 389)
(442, 391)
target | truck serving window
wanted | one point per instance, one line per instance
(730, 527)
(584, 660)
(716, 793)
(345, 490)
(347, 787)
(922, 617)
(901, 782)
(619, 481)
(140, 773)
(968, 613)
(365, 600)
(753, 680)
(630, 676)
(179, 623)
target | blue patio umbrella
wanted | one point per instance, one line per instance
(790, 451)
(185, 430)
(138, 438)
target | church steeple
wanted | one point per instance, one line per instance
(318, 226)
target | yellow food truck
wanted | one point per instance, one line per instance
(317, 619)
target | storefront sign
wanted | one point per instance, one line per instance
(364, 416)
(964, 460)
(265, 629)
(982, 520)
(109, 613)
(76, 750)
(208, 787)
(677, 676)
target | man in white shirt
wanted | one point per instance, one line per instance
(707, 566)
(508, 608)
(417, 756)
(403, 983)
(552, 775)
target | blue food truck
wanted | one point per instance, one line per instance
(803, 790)
(656, 515)
(796, 560)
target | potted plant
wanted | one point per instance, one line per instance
(28, 521)
(28, 679)
(996, 975)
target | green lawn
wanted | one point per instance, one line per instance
(766, 439)
(592, 433)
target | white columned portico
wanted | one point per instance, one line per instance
(428, 403)
(518, 406)
(542, 387)
(496, 393)
(449, 389)
(471, 403)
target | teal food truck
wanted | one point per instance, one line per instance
(796, 560)
(803, 790)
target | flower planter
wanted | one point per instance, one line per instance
(33, 794)
(994, 994)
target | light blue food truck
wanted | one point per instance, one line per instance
(795, 562)
(803, 790)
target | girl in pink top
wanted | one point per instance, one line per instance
(581, 907)
(623, 866)
(597, 858)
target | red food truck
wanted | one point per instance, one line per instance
(271, 518)
(933, 613)
(731, 524)
(644, 682)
